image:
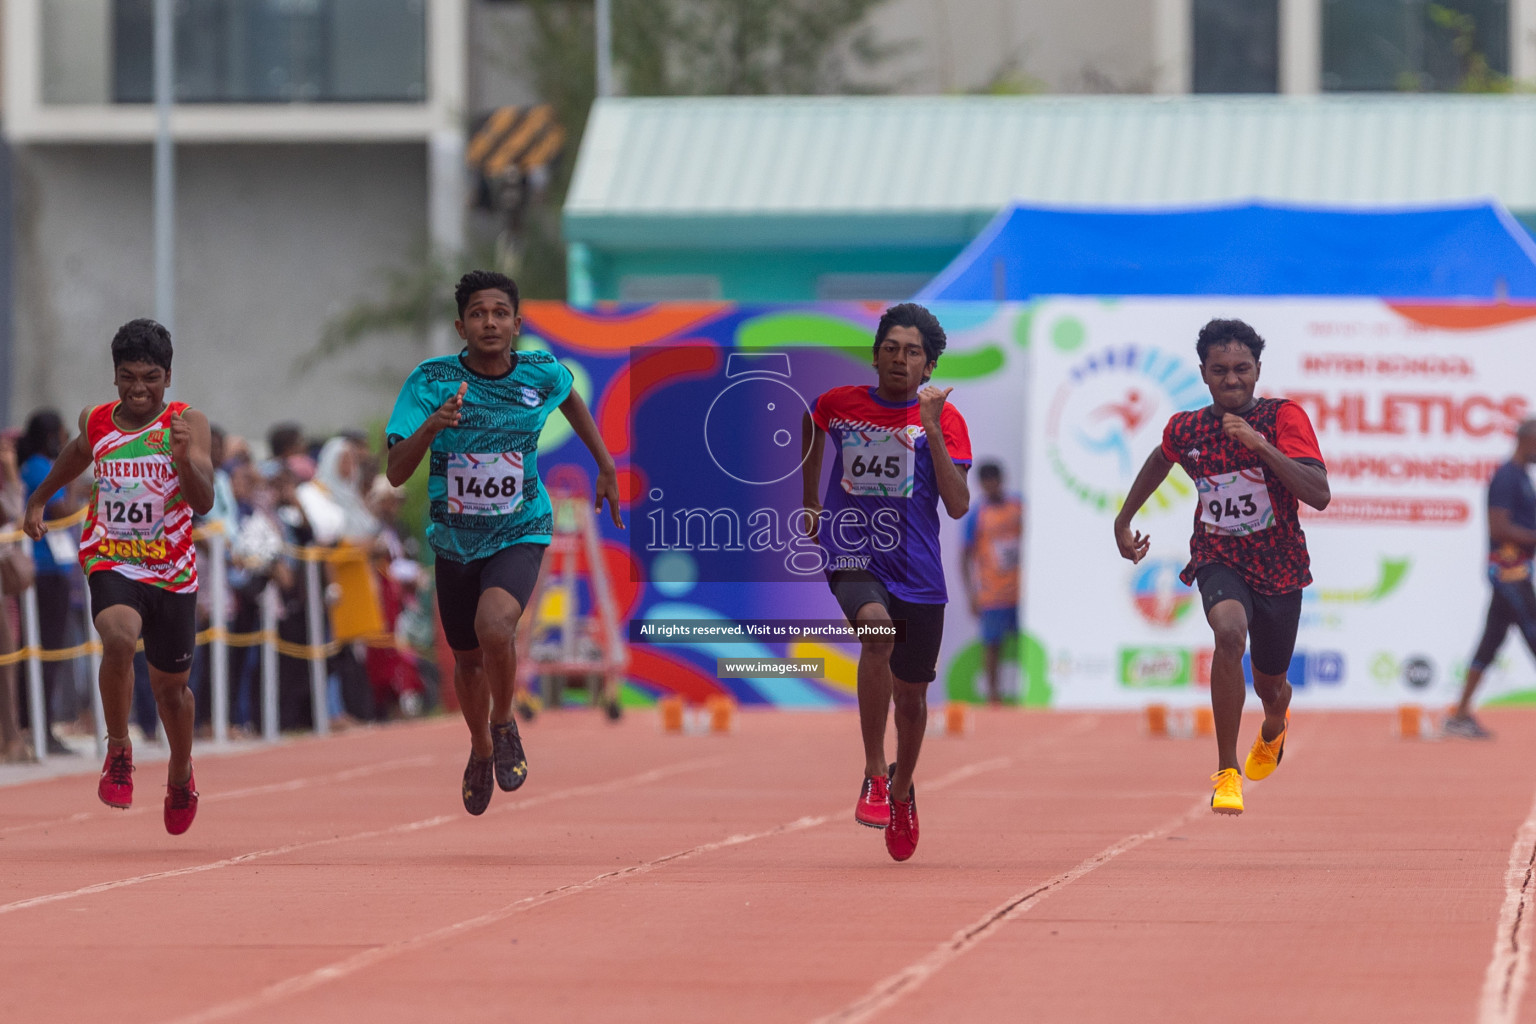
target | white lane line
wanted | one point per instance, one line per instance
(342, 968)
(1504, 983)
(362, 771)
(886, 992)
(413, 826)
(367, 958)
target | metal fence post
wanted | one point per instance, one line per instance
(315, 610)
(31, 634)
(97, 707)
(218, 669)
(269, 603)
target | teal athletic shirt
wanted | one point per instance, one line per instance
(484, 488)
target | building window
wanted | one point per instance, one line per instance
(1236, 46)
(238, 51)
(1414, 45)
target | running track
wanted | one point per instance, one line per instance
(1069, 871)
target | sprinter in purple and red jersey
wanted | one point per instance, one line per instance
(899, 452)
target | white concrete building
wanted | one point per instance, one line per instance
(1203, 46)
(318, 142)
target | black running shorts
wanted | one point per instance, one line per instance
(514, 569)
(169, 620)
(1272, 618)
(914, 659)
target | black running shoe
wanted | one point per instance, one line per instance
(477, 783)
(511, 762)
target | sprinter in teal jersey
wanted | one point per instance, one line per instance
(479, 414)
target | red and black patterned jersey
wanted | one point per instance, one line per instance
(1246, 518)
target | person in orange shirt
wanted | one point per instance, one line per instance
(990, 567)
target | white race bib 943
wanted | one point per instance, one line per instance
(485, 484)
(1235, 503)
(878, 463)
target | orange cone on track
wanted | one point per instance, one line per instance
(671, 709)
(1416, 723)
(1157, 719)
(956, 716)
(1205, 722)
(722, 712)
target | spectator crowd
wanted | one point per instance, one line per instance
(300, 500)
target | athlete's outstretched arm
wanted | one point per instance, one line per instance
(950, 477)
(1307, 480)
(1133, 544)
(192, 454)
(580, 419)
(72, 461)
(406, 454)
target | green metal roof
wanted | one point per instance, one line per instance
(871, 170)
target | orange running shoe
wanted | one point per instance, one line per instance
(116, 786)
(1265, 756)
(874, 806)
(180, 805)
(1228, 797)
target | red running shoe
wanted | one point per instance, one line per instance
(874, 806)
(180, 805)
(901, 834)
(116, 786)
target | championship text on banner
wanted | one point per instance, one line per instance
(1413, 407)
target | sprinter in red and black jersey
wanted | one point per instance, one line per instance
(1253, 460)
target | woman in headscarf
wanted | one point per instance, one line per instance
(333, 501)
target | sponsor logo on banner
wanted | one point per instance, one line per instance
(1109, 412)
(1152, 667)
(1321, 667)
(1158, 593)
(1418, 672)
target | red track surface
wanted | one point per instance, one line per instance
(644, 877)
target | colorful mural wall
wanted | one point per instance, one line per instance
(701, 405)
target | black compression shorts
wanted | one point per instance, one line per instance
(514, 569)
(169, 620)
(1272, 618)
(913, 659)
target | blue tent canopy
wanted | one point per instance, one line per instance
(1469, 251)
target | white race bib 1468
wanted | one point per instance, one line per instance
(1235, 503)
(485, 484)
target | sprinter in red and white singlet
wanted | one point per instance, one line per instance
(153, 471)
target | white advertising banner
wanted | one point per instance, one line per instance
(1414, 407)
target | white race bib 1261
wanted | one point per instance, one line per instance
(1235, 503)
(878, 463)
(129, 510)
(485, 484)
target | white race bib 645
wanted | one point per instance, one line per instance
(1235, 503)
(485, 484)
(878, 462)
